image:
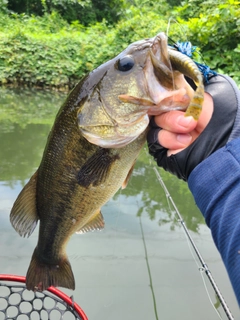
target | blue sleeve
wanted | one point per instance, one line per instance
(215, 185)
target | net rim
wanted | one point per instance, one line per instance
(53, 290)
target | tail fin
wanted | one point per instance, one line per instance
(41, 276)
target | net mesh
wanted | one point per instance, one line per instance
(18, 303)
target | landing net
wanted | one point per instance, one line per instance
(18, 303)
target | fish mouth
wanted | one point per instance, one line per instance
(162, 88)
(165, 101)
(167, 89)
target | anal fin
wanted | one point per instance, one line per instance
(23, 216)
(95, 223)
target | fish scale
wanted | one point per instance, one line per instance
(92, 148)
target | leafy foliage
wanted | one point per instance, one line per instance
(3, 6)
(85, 11)
(216, 30)
(49, 51)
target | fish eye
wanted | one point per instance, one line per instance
(125, 64)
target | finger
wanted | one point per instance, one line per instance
(175, 121)
(174, 141)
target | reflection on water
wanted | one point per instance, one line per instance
(21, 150)
(26, 118)
(153, 198)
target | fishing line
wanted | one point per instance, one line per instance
(206, 289)
(183, 32)
(196, 262)
(149, 270)
(168, 26)
(204, 266)
(201, 272)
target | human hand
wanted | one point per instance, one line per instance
(182, 143)
(178, 131)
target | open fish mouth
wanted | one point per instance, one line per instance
(148, 78)
(170, 68)
(174, 100)
(167, 90)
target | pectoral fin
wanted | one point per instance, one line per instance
(95, 223)
(96, 168)
(24, 215)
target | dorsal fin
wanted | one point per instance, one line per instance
(24, 215)
(95, 223)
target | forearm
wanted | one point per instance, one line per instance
(215, 184)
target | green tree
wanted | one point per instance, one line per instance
(85, 11)
(4, 6)
(214, 26)
(26, 6)
(58, 48)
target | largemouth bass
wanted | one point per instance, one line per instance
(92, 147)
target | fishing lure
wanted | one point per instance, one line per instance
(188, 49)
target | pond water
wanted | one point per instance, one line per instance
(141, 265)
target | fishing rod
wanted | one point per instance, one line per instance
(203, 264)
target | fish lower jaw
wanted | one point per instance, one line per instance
(172, 100)
(117, 140)
(157, 111)
(114, 142)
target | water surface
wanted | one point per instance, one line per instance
(140, 266)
